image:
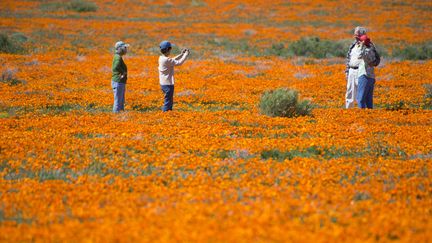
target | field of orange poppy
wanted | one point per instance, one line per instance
(215, 169)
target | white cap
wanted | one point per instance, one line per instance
(120, 44)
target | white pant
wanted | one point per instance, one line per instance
(352, 83)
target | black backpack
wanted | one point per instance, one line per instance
(377, 60)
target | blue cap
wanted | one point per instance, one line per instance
(164, 45)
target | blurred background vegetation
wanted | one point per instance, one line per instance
(319, 29)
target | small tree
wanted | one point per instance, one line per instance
(285, 103)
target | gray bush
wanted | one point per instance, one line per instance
(284, 102)
(8, 77)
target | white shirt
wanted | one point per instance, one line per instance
(355, 56)
(166, 68)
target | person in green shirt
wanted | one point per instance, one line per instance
(119, 76)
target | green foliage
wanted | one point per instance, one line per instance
(361, 196)
(317, 48)
(377, 146)
(82, 6)
(12, 44)
(233, 46)
(285, 103)
(19, 38)
(81, 42)
(277, 49)
(142, 108)
(309, 47)
(396, 106)
(428, 88)
(198, 3)
(17, 217)
(52, 109)
(276, 155)
(309, 152)
(52, 6)
(382, 51)
(234, 154)
(428, 97)
(303, 108)
(414, 52)
(8, 77)
(75, 5)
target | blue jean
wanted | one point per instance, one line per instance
(168, 91)
(119, 90)
(365, 92)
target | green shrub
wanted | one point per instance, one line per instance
(10, 44)
(317, 48)
(82, 6)
(75, 5)
(285, 103)
(303, 108)
(414, 52)
(52, 6)
(19, 38)
(277, 49)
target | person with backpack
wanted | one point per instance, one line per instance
(352, 65)
(119, 76)
(369, 58)
(166, 72)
